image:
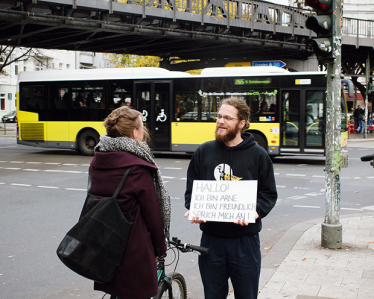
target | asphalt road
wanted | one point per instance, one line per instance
(42, 192)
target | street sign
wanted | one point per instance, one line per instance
(277, 63)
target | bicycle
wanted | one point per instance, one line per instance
(368, 158)
(173, 285)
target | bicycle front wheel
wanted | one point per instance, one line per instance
(177, 289)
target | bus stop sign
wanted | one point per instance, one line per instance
(277, 63)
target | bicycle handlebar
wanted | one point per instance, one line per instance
(184, 247)
(367, 158)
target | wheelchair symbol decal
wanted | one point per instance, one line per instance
(161, 116)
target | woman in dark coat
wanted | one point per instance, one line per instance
(124, 147)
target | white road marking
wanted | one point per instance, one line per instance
(22, 185)
(47, 187)
(294, 174)
(12, 168)
(30, 169)
(308, 207)
(75, 189)
(296, 197)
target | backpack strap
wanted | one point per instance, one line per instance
(119, 188)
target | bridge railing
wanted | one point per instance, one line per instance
(358, 27)
(228, 12)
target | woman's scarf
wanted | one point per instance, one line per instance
(130, 145)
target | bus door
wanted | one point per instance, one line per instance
(153, 99)
(302, 121)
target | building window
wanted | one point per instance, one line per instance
(60, 66)
(38, 66)
(68, 66)
(24, 68)
(16, 69)
(2, 101)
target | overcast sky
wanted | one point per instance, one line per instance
(283, 2)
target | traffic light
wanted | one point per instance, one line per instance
(322, 24)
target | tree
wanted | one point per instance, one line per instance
(129, 60)
(10, 54)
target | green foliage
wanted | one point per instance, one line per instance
(129, 60)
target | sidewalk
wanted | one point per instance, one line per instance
(9, 130)
(312, 272)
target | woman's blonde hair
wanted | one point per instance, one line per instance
(122, 121)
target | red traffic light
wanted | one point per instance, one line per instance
(323, 5)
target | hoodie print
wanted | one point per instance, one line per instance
(222, 172)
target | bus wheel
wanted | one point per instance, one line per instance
(87, 142)
(261, 141)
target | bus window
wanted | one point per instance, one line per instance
(290, 118)
(58, 102)
(120, 94)
(314, 119)
(88, 103)
(33, 99)
(185, 107)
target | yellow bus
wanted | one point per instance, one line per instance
(66, 109)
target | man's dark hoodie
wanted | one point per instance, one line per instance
(245, 161)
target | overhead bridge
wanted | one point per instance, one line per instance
(207, 30)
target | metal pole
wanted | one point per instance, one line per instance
(367, 73)
(331, 231)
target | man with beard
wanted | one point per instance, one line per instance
(234, 248)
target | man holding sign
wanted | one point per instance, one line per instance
(230, 188)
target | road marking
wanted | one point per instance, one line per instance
(318, 176)
(52, 170)
(308, 207)
(32, 169)
(281, 186)
(297, 197)
(16, 162)
(301, 165)
(12, 168)
(294, 174)
(71, 171)
(22, 185)
(350, 209)
(47, 187)
(70, 164)
(34, 162)
(75, 189)
(168, 177)
(173, 168)
(183, 179)
(314, 194)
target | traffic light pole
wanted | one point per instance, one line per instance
(331, 231)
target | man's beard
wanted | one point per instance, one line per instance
(228, 136)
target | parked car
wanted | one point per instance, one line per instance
(10, 117)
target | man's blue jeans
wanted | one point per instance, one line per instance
(361, 126)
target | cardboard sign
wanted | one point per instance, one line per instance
(224, 201)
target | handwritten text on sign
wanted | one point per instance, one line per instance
(224, 201)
